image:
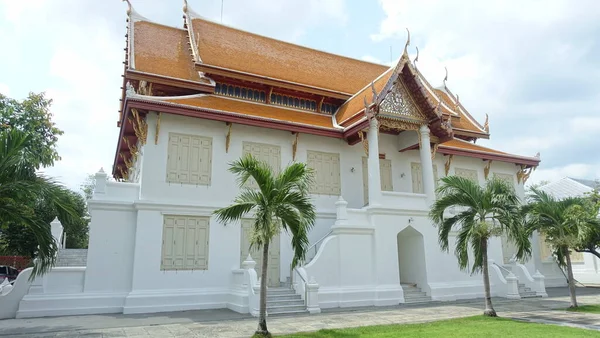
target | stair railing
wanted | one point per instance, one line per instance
(304, 282)
(503, 268)
(315, 246)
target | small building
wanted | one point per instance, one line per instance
(378, 138)
(586, 267)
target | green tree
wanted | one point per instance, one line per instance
(19, 185)
(589, 238)
(32, 116)
(483, 212)
(281, 202)
(88, 186)
(564, 223)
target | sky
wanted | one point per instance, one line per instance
(532, 66)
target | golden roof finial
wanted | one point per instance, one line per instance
(457, 103)
(128, 7)
(446, 77)
(417, 57)
(374, 91)
(407, 43)
(486, 125)
(185, 6)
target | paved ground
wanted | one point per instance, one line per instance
(225, 323)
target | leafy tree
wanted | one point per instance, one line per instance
(538, 184)
(589, 237)
(32, 116)
(563, 222)
(281, 202)
(88, 186)
(19, 185)
(484, 212)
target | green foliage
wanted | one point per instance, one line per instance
(281, 202)
(32, 116)
(586, 308)
(566, 223)
(87, 187)
(21, 188)
(483, 212)
(454, 328)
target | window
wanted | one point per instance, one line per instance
(467, 173)
(185, 243)
(327, 172)
(385, 176)
(264, 152)
(417, 177)
(189, 159)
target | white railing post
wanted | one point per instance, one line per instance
(341, 211)
(512, 283)
(100, 184)
(56, 229)
(253, 286)
(312, 296)
(540, 285)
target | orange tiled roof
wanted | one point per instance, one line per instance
(356, 104)
(230, 48)
(162, 50)
(460, 144)
(249, 108)
(464, 122)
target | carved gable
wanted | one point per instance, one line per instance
(398, 104)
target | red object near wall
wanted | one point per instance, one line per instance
(17, 262)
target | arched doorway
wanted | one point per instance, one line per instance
(411, 259)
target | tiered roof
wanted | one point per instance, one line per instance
(186, 67)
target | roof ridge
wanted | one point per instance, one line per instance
(468, 115)
(196, 16)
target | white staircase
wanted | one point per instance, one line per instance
(413, 294)
(526, 292)
(284, 301)
(71, 257)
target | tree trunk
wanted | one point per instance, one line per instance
(489, 308)
(571, 278)
(262, 317)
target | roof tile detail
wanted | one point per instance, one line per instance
(230, 48)
(218, 103)
(170, 57)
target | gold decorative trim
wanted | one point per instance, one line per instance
(124, 174)
(133, 149)
(157, 128)
(524, 173)
(295, 146)
(228, 137)
(365, 141)
(486, 169)
(398, 124)
(434, 150)
(140, 127)
(447, 164)
(145, 88)
(486, 125)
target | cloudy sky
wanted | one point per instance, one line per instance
(533, 66)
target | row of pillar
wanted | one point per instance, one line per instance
(373, 163)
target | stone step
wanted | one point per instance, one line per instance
(283, 297)
(417, 300)
(280, 291)
(284, 308)
(284, 303)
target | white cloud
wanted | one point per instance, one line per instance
(530, 65)
(575, 170)
(4, 90)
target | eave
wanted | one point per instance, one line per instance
(516, 159)
(210, 69)
(170, 81)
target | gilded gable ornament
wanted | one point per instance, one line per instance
(398, 103)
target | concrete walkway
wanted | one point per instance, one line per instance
(225, 323)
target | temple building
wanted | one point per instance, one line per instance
(378, 137)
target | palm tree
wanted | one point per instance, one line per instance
(19, 186)
(483, 212)
(564, 223)
(281, 202)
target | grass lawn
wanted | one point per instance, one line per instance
(478, 326)
(586, 308)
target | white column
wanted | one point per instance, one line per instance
(56, 229)
(373, 163)
(427, 164)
